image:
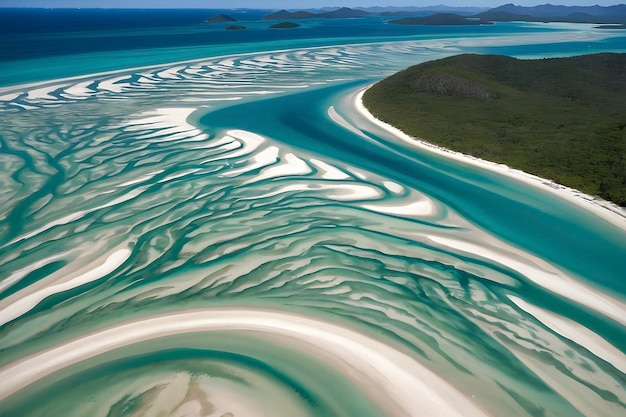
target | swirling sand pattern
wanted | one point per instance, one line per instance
(155, 266)
(217, 80)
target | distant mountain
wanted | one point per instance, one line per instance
(346, 12)
(423, 11)
(502, 16)
(284, 14)
(221, 18)
(441, 19)
(341, 13)
(504, 13)
(548, 12)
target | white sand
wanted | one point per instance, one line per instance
(576, 333)
(394, 187)
(290, 165)
(262, 159)
(394, 380)
(142, 178)
(17, 275)
(43, 93)
(113, 84)
(166, 125)
(340, 191)
(58, 222)
(531, 267)
(22, 301)
(171, 73)
(80, 90)
(179, 175)
(414, 208)
(604, 209)
(10, 97)
(338, 119)
(250, 141)
(351, 192)
(543, 275)
(328, 171)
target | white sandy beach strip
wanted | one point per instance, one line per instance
(604, 209)
(415, 208)
(19, 303)
(391, 378)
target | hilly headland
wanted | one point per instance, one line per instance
(560, 118)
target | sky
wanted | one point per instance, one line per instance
(284, 4)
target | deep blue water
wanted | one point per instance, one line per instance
(201, 222)
(35, 42)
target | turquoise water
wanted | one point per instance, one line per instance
(214, 229)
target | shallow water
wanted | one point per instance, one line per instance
(230, 235)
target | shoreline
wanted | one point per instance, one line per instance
(604, 209)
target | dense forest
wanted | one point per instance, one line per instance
(561, 118)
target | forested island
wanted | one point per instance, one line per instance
(220, 18)
(563, 118)
(284, 25)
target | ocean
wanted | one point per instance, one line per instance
(201, 222)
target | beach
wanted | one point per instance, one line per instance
(607, 210)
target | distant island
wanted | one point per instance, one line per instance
(443, 15)
(563, 118)
(341, 13)
(442, 19)
(220, 18)
(606, 17)
(550, 13)
(284, 25)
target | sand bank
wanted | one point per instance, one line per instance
(575, 332)
(24, 300)
(543, 275)
(394, 380)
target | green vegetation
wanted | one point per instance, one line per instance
(221, 18)
(342, 13)
(235, 27)
(562, 118)
(284, 25)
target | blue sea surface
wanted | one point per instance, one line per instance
(201, 222)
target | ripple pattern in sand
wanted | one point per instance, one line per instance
(151, 265)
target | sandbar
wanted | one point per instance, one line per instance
(397, 382)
